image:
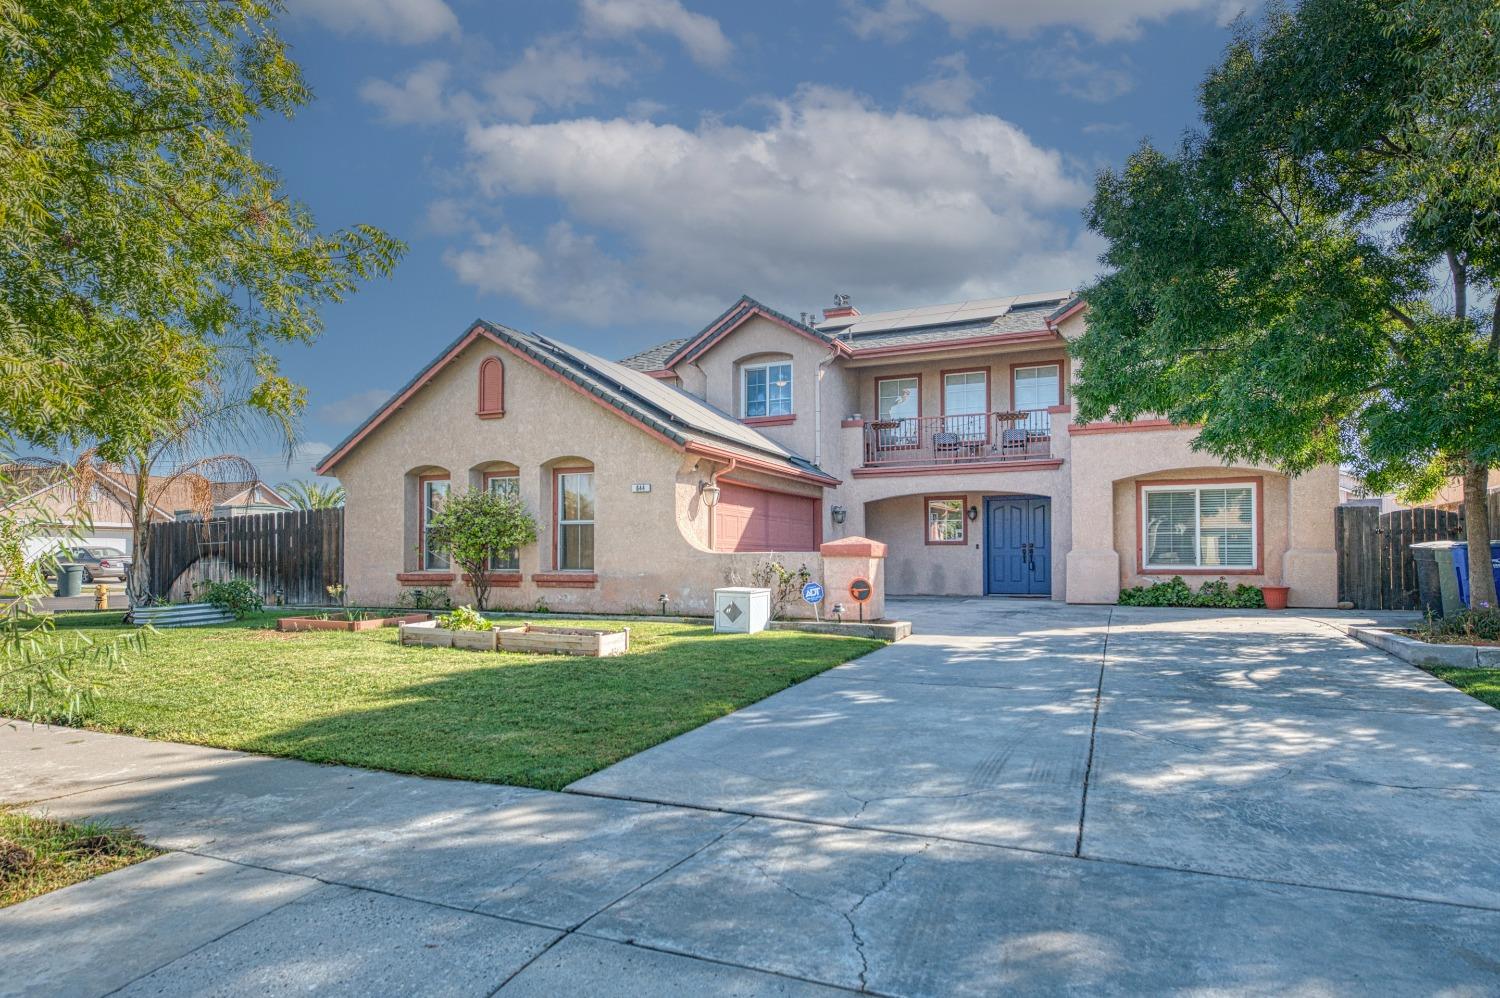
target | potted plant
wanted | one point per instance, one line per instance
(1275, 596)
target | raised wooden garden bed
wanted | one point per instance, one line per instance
(526, 639)
(530, 639)
(334, 624)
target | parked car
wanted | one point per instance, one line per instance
(98, 563)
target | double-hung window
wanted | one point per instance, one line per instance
(767, 390)
(434, 491)
(575, 521)
(1199, 527)
(966, 400)
(509, 485)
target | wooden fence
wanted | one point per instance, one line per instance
(297, 554)
(1375, 565)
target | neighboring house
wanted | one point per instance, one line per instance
(942, 431)
(104, 519)
(1354, 492)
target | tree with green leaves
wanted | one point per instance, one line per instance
(144, 250)
(44, 676)
(1297, 277)
(478, 527)
(312, 495)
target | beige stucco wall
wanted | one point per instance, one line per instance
(1296, 516)
(640, 549)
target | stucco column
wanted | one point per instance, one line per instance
(1093, 564)
(1310, 565)
(846, 560)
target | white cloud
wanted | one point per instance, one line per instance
(830, 193)
(949, 89)
(1084, 79)
(698, 33)
(352, 408)
(1106, 20)
(552, 74)
(405, 21)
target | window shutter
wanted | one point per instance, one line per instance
(492, 387)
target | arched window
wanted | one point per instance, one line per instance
(491, 388)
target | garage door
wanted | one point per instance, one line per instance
(749, 519)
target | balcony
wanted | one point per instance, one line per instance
(939, 441)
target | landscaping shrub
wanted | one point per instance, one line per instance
(1176, 592)
(238, 596)
(465, 618)
(1465, 627)
(433, 598)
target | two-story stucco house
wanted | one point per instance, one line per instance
(943, 432)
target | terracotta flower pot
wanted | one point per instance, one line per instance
(1275, 596)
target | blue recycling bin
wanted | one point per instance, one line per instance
(1461, 564)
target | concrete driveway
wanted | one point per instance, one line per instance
(1022, 797)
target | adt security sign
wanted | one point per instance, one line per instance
(812, 592)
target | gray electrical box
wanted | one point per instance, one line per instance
(741, 610)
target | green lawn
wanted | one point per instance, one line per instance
(38, 855)
(362, 700)
(1481, 684)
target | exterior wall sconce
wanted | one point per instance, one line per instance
(710, 494)
(973, 513)
(838, 513)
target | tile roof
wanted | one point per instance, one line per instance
(732, 316)
(653, 358)
(664, 408)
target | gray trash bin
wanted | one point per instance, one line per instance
(69, 580)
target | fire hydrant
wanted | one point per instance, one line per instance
(101, 597)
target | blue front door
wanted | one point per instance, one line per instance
(1018, 556)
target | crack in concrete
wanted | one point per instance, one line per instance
(847, 914)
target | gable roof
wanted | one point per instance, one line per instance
(738, 314)
(653, 358)
(667, 412)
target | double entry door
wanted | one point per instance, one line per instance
(1018, 546)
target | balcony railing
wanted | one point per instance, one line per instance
(981, 438)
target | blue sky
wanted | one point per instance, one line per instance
(615, 172)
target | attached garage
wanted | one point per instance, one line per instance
(753, 519)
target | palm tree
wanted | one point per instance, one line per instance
(312, 495)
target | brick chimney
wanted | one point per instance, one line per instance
(841, 309)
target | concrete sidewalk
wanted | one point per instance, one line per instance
(1053, 800)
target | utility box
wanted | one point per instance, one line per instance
(741, 610)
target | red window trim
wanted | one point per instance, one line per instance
(425, 578)
(770, 420)
(911, 376)
(1257, 482)
(572, 469)
(963, 520)
(501, 580)
(422, 481)
(499, 410)
(1062, 388)
(565, 580)
(989, 381)
(488, 477)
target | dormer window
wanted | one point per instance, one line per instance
(491, 388)
(767, 390)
